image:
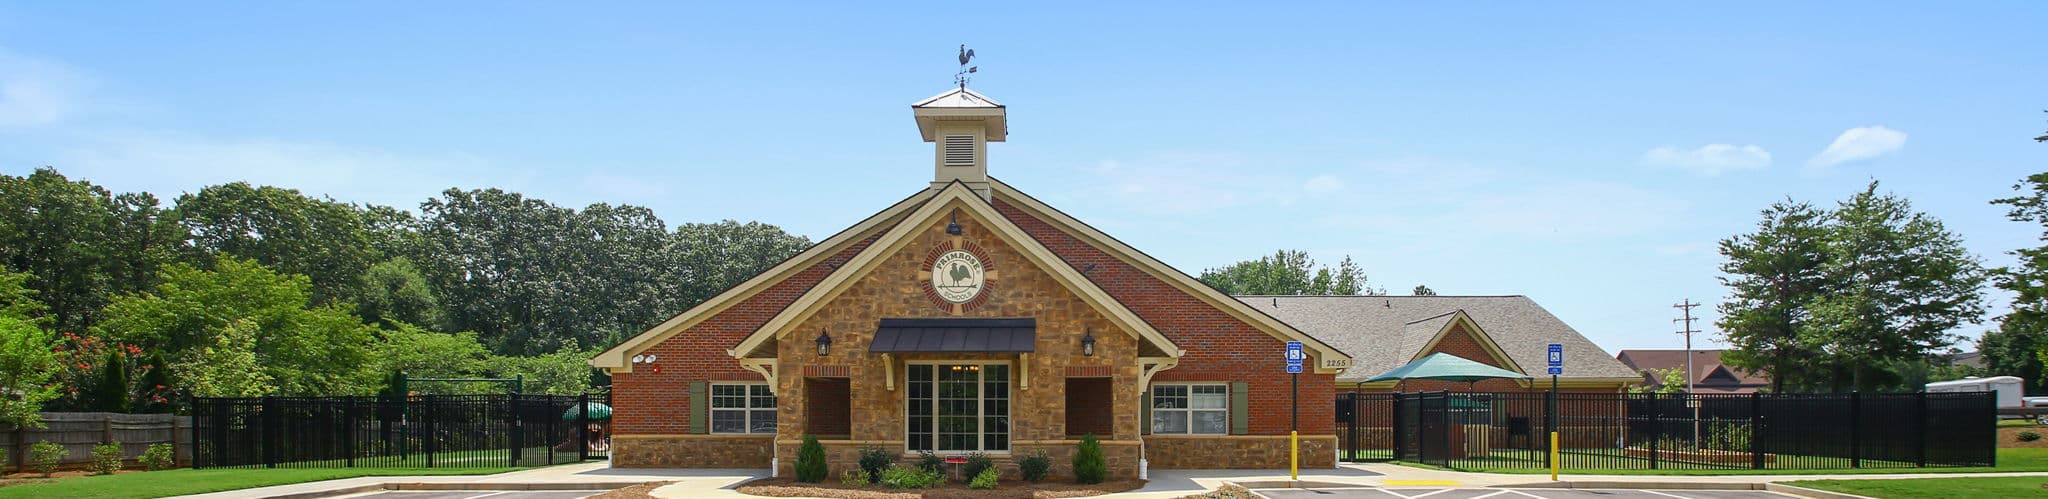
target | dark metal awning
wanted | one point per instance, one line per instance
(955, 335)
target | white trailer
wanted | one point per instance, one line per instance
(2009, 388)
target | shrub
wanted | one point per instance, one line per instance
(1089, 467)
(854, 478)
(986, 479)
(160, 457)
(2029, 436)
(976, 463)
(106, 458)
(810, 461)
(44, 456)
(930, 462)
(910, 477)
(1035, 466)
(875, 459)
(1729, 437)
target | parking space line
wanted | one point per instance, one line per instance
(1430, 493)
(1663, 494)
(1393, 493)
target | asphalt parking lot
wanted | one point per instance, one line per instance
(1418, 493)
(483, 494)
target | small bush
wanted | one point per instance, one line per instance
(875, 459)
(1035, 466)
(910, 477)
(160, 457)
(1089, 467)
(2029, 436)
(44, 456)
(810, 461)
(1729, 437)
(106, 458)
(986, 479)
(930, 462)
(854, 478)
(976, 463)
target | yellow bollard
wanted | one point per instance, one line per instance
(1553, 456)
(1294, 455)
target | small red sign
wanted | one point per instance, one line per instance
(956, 459)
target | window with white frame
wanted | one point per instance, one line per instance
(1200, 409)
(958, 407)
(742, 408)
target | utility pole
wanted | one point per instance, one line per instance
(1685, 308)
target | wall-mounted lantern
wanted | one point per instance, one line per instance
(824, 343)
(1088, 344)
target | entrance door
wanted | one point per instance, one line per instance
(962, 407)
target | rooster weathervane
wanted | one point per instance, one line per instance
(966, 71)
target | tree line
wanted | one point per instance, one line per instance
(243, 290)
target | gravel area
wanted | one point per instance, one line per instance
(787, 487)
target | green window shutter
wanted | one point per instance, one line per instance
(1240, 408)
(1145, 412)
(700, 407)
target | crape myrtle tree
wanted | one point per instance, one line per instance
(1846, 299)
(1289, 272)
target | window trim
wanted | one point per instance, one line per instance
(749, 412)
(980, 406)
(1152, 393)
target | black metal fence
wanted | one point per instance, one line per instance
(1599, 431)
(433, 431)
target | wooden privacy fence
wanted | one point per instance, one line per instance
(80, 431)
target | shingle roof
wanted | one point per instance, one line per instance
(1384, 332)
(1703, 364)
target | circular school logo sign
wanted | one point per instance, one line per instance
(957, 277)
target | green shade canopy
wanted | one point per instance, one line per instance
(1446, 367)
(597, 411)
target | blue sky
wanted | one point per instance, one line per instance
(1587, 155)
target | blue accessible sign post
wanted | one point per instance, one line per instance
(1556, 357)
(1295, 358)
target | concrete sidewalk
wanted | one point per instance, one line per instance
(595, 476)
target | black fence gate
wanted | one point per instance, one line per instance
(1479, 431)
(432, 431)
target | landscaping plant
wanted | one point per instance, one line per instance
(1035, 466)
(44, 456)
(875, 459)
(159, 457)
(986, 479)
(910, 477)
(1089, 467)
(928, 461)
(2028, 436)
(976, 463)
(854, 478)
(106, 458)
(810, 461)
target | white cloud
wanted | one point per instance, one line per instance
(1860, 143)
(36, 92)
(1711, 159)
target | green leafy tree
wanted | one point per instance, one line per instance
(565, 372)
(2013, 348)
(227, 366)
(1289, 272)
(393, 291)
(82, 244)
(426, 354)
(1771, 275)
(1421, 290)
(27, 365)
(305, 349)
(1669, 381)
(1898, 282)
(284, 230)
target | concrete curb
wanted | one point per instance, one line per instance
(481, 486)
(1634, 485)
(1811, 493)
(1294, 484)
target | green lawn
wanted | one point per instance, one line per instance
(1935, 488)
(2017, 422)
(190, 481)
(2008, 460)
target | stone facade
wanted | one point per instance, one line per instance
(691, 451)
(1237, 451)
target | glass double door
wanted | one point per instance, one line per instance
(958, 407)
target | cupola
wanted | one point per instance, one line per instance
(960, 123)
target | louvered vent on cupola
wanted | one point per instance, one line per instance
(959, 150)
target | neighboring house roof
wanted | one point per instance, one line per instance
(1706, 366)
(1384, 332)
(1972, 359)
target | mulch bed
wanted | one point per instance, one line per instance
(789, 487)
(641, 491)
(1228, 491)
(28, 478)
(2009, 437)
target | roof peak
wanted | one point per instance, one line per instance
(958, 97)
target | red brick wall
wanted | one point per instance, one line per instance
(1219, 347)
(652, 403)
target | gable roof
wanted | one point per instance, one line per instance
(614, 359)
(1704, 362)
(955, 194)
(1388, 331)
(1443, 328)
(1330, 358)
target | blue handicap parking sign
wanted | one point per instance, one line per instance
(1294, 369)
(1556, 356)
(1295, 356)
(1555, 371)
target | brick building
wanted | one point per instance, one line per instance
(1709, 374)
(970, 317)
